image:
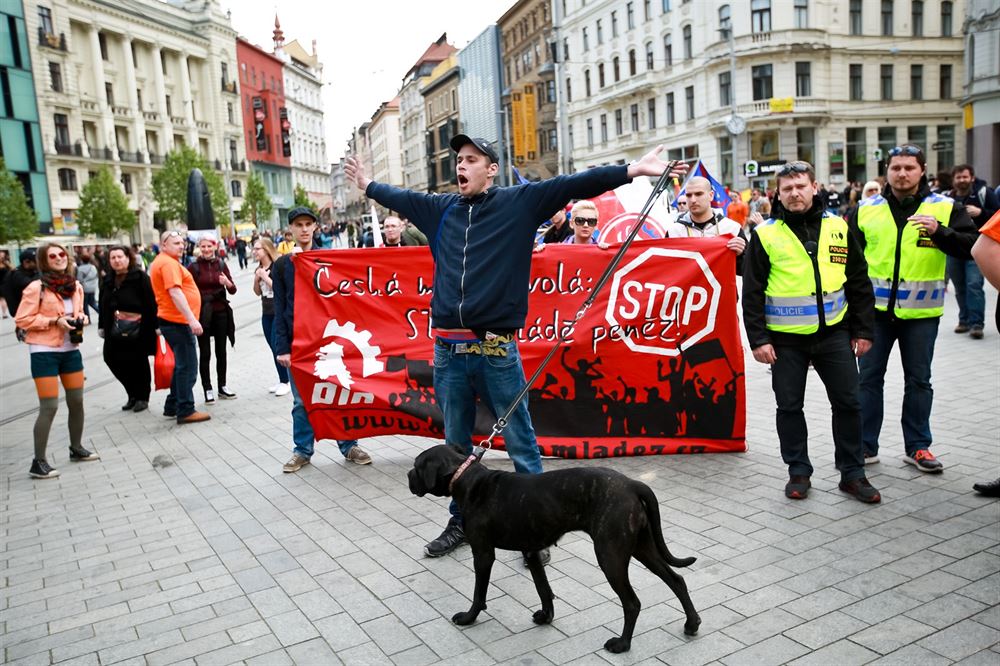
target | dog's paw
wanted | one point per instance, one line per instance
(691, 628)
(464, 619)
(542, 616)
(617, 645)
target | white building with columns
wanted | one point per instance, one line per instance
(121, 83)
(827, 81)
(303, 78)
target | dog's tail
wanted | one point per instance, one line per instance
(653, 518)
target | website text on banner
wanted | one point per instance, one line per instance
(654, 367)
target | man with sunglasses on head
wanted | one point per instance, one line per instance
(703, 221)
(807, 299)
(482, 239)
(906, 232)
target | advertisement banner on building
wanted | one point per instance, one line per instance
(655, 366)
(530, 124)
(517, 125)
(259, 115)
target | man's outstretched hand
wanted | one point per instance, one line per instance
(355, 172)
(650, 164)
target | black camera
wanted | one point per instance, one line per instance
(76, 333)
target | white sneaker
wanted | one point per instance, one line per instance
(209, 396)
(283, 389)
(272, 389)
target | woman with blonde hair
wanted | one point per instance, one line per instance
(51, 314)
(264, 251)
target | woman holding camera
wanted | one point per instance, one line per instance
(127, 322)
(51, 313)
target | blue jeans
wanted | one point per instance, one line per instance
(836, 366)
(180, 402)
(968, 281)
(916, 349)
(459, 379)
(267, 323)
(302, 431)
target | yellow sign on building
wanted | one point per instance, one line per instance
(530, 124)
(517, 122)
(782, 104)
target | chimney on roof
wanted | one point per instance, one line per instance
(279, 36)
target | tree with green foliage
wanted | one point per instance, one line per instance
(302, 199)
(170, 186)
(104, 209)
(257, 206)
(18, 221)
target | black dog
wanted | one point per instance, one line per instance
(528, 512)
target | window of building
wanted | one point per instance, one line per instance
(127, 182)
(917, 135)
(565, 49)
(569, 90)
(946, 14)
(600, 32)
(689, 102)
(649, 56)
(665, 6)
(67, 180)
(855, 11)
(671, 119)
(631, 62)
(634, 112)
(590, 132)
(102, 41)
(230, 116)
(805, 144)
(630, 15)
(917, 18)
(944, 91)
(762, 82)
(725, 21)
(614, 24)
(138, 98)
(586, 40)
(886, 82)
(232, 152)
(170, 110)
(916, 81)
(760, 15)
(686, 33)
(600, 75)
(553, 140)
(857, 159)
(668, 50)
(946, 153)
(236, 187)
(619, 129)
(604, 128)
(61, 121)
(109, 93)
(726, 158)
(857, 90)
(651, 112)
(45, 20)
(55, 76)
(886, 18)
(886, 141)
(586, 82)
(803, 79)
(801, 8)
(725, 89)
(647, 11)
(615, 69)
(550, 91)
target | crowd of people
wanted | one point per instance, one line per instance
(832, 280)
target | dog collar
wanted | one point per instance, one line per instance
(461, 468)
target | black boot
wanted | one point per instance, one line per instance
(450, 539)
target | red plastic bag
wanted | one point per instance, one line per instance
(163, 364)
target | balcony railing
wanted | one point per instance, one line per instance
(240, 166)
(119, 110)
(129, 156)
(218, 165)
(52, 40)
(88, 105)
(229, 86)
(69, 149)
(155, 159)
(103, 154)
(202, 124)
(177, 120)
(151, 115)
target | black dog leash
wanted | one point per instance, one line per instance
(659, 188)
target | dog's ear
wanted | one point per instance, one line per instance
(430, 471)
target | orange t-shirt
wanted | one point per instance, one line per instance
(166, 273)
(992, 228)
(738, 211)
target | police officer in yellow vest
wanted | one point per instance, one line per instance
(807, 299)
(906, 233)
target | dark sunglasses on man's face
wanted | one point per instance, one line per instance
(585, 221)
(793, 167)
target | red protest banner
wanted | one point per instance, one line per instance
(655, 366)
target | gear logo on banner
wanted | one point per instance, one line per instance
(330, 357)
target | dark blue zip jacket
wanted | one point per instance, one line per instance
(482, 245)
(283, 284)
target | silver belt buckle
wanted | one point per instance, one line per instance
(461, 348)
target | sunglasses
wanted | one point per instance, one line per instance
(585, 221)
(56, 255)
(912, 151)
(793, 167)
(174, 234)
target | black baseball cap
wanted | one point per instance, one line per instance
(301, 211)
(482, 145)
(28, 255)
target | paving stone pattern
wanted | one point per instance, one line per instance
(189, 545)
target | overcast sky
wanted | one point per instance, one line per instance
(365, 46)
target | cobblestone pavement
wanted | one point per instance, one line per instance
(188, 544)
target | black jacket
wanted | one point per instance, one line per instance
(981, 196)
(482, 245)
(14, 286)
(860, 319)
(134, 294)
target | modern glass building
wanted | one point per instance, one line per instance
(20, 134)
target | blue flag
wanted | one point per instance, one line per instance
(720, 198)
(521, 180)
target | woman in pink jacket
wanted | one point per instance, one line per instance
(51, 314)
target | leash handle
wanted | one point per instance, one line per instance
(659, 188)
